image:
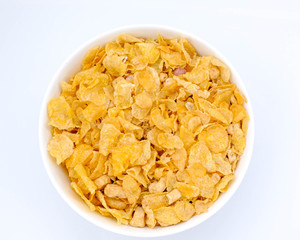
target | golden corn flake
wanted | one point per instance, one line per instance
(238, 138)
(116, 203)
(154, 201)
(90, 57)
(138, 219)
(138, 112)
(60, 147)
(115, 65)
(85, 199)
(149, 131)
(222, 185)
(184, 210)
(197, 75)
(137, 174)
(223, 166)
(200, 153)
(225, 72)
(166, 216)
(187, 191)
(82, 174)
(216, 138)
(91, 87)
(108, 137)
(131, 189)
(158, 119)
(239, 113)
(93, 112)
(150, 51)
(196, 170)
(178, 158)
(81, 155)
(172, 58)
(201, 206)
(60, 113)
(169, 141)
(122, 94)
(143, 100)
(120, 159)
(186, 136)
(126, 38)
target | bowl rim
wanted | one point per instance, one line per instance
(175, 228)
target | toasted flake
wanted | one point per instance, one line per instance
(102, 181)
(115, 65)
(114, 191)
(200, 153)
(60, 113)
(138, 219)
(184, 210)
(60, 147)
(173, 196)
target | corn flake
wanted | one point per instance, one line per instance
(188, 191)
(166, 216)
(150, 51)
(216, 138)
(60, 147)
(60, 113)
(108, 136)
(115, 65)
(131, 189)
(200, 153)
(184, 210)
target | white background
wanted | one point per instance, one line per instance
(260, 38)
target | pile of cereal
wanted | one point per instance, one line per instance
(149, 131)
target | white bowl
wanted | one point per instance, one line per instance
(58, 176)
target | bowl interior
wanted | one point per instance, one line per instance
(60, 180)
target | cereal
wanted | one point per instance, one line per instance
(157, 186)
(184, 210)
(166, 216)
(60, 147)
(114, 191)
(131, 189)
(216, 138)
(169, 141)
(201, 206)
(150, 132)
(115, 65)
(82, 174)
(108, 136)
(199, 152)
(138, 219)
(60, 113)
(188, 191)
(173, 196)
(102, 181)
(178, 158)
(116, 203)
